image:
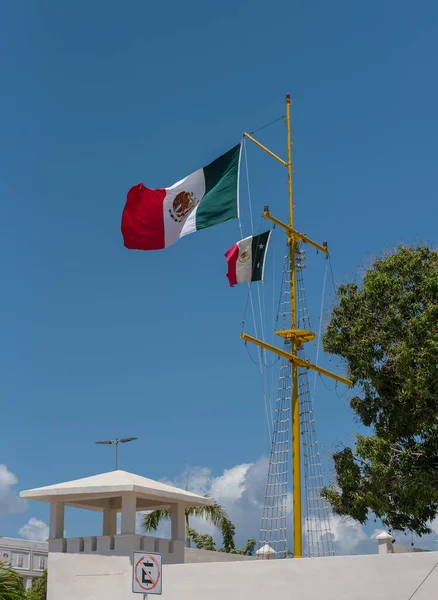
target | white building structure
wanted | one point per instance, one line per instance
(28, 558)
(73, 560)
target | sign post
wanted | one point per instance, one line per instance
(147, 573)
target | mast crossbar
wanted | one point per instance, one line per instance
(296, 360)
(293, 234)
(257, 143)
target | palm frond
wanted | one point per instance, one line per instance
(215, 514)
(11, 584)
(152, 520)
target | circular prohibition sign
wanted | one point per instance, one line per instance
(152, 581)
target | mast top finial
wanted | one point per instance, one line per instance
(288, 96)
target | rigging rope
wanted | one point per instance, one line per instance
(273, 529)
(318, 540)
(273, 340)
(335, 389)
(318, 344)
(250, 298)
(267, 125)
(332, 274)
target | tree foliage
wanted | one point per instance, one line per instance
(249, 547)
(12, 588)
(228, 530)
(11, 584)
(39, 587)
(386, 328)
(214, 514)
(202, 541)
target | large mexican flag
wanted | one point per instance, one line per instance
(155, 219)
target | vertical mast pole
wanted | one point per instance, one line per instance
(296, 430)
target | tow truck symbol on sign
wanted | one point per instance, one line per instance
(146, 573)
(146, 576)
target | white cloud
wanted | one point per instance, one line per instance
(349, 537)
(10, 502)
(230, 486)
(241, 490)
(35, 530)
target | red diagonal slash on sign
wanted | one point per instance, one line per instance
(154, 582)
(146, 572)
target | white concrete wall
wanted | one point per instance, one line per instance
(120, 545)
(193, 555)
(374, 577)
(340, 578)
(85, 577)
(400, 549)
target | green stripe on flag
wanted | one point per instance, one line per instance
(219, 203)
(259, 245)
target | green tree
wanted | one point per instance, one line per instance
(386, 328)
(248, 549)
(11, 584)
(228, 531)
(202, 541)
(213, 514)
(39, 587)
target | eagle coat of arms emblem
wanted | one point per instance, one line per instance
(244, 256)
(182, 205)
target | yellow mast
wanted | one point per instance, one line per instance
(295, 337)
(296, 442)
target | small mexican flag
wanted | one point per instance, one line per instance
(246, 259)
(155, 219)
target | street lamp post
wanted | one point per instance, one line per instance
(116, 442)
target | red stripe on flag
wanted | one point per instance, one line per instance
(143, 219)
(232, 255)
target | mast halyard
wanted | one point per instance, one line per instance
(293, 337)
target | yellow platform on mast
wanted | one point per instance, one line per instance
(296, 336)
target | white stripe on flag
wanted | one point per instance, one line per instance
(174, 229)
(244, 260)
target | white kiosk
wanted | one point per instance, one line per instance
(99, 567)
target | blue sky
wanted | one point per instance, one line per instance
(98, 341)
